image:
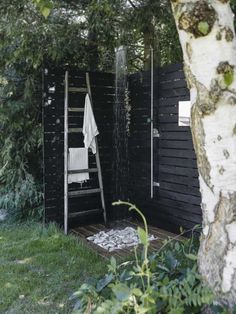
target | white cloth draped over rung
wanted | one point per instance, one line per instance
(90, 129)
(78, 160)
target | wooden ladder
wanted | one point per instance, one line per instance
(69, 194)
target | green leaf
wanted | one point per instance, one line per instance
(121, 291)
(177, 246)
(143, 237)
(45, 7)
(191, 256)
(171, 261)
(162, 267)
(228, 78)
(45, 11)
(126, 275)
(203, 27)
(104, 282)
(179, 310)
(113, 263)
(78, 305)
(165, 281)
(150, 299)
(137, 292)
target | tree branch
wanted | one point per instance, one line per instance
(132, 4)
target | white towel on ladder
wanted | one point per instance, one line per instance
(90, 129)
(78, 160)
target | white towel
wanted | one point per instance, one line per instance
(90, 129)
(78, 160)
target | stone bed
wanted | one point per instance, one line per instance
(117, 239)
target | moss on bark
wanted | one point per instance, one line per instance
(198, 19)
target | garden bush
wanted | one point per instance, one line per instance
(165, 281)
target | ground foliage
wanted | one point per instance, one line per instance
(166, 281)
(40, 268)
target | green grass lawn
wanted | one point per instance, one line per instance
(40, 268)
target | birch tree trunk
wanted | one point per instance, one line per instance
(207, 36)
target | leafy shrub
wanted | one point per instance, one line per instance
(166, 281)
(20, 143)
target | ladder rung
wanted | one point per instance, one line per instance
(71, 109)
(85, 213)
(75, 130)
(83, 192)
(83, 170)
(78, 89)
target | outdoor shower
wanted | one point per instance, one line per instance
(120, 116)
(121, 166)
(177, 200)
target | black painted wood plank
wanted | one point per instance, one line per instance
(181, 136)
(181, 188)
(192, 172)
(168, 93)
(176, 144)
(186, 198)
(178, 83)
(173, 161)
(171, 68)
(172, 101)
(177, 178)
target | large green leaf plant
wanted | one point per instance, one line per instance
(166, 281)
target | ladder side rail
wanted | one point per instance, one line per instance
(97, 155)
(66, 155)
(101, 182)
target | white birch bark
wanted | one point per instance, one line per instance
(207, 36)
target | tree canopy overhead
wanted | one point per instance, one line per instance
(71, 27)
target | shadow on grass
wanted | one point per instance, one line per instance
(40, 268)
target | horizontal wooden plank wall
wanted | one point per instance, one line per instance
(177, 200)
(102, 85)
(139, 140)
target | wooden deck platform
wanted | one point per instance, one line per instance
(89, 230)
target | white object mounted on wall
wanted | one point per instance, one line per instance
(184, 113)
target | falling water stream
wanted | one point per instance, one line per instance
(120, 165)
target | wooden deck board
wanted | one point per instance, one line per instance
(89, 230)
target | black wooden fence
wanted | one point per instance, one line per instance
(102, 85)
(176, 200)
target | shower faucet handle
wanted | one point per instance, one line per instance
(156, 133)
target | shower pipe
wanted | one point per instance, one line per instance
(152, 85)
